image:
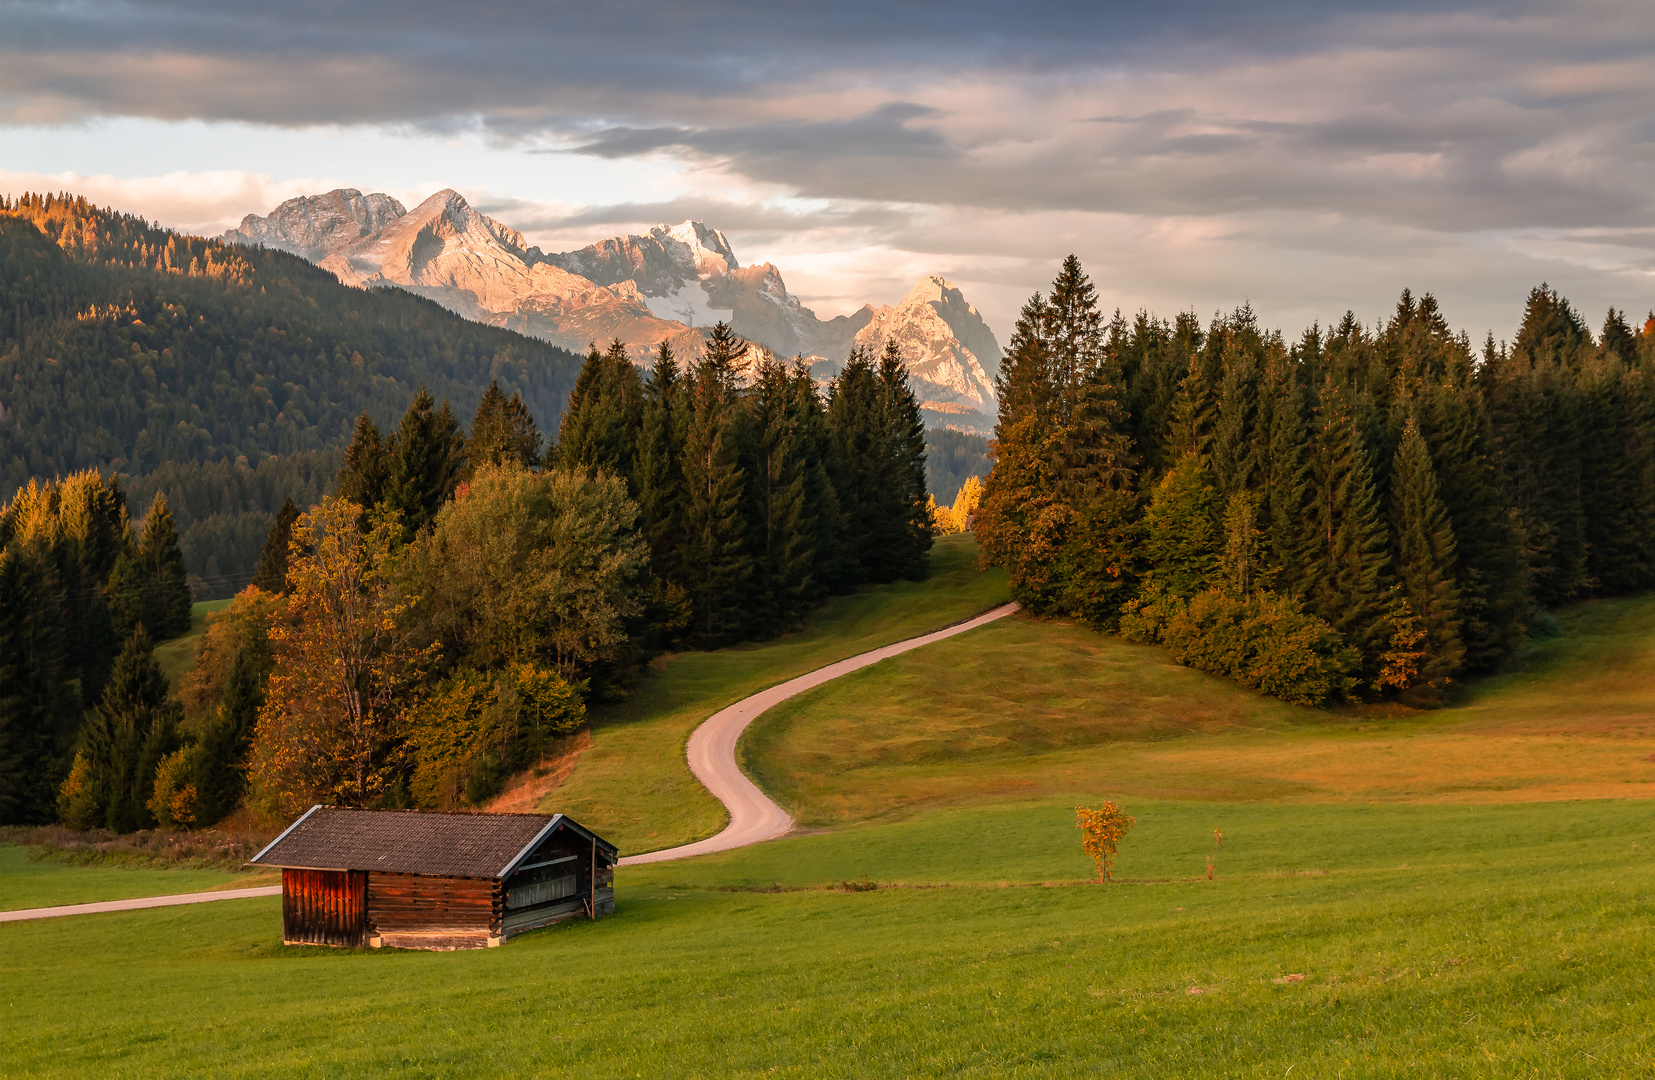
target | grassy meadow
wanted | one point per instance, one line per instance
(177, 655)
(1460, 893)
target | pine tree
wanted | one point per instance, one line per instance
(818, 465)
(716, 566)
(156, 573)
(271, 573)
(600, 428)
(367, 468)
(658, 453)
(862, 452)
(127, 735)
(1183, 541)
(39, 700)
(1424, 557)
(502, 431)
(905, 523)
(1346, 582)
(427, 458)
(220, 759)
(780, 527)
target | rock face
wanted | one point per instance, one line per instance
(669, 284)
(314, 226)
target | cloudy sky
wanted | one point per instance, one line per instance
(1306, 156)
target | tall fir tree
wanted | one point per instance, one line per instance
(427, 458)
(40, 704)
(127, 735)
(716, 565)
(780, 527)
(271, 573)
(862, 451)
(1423, 554)
(367, 468)
(503, 431)
(220, 758)
(149, 582)
(904, 520)
(600, 428)
(1346, 582)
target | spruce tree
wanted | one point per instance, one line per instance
(271, 573)
(600, 427)
(657, 455)
(780, 527)
(427, 458)
(220, 757)
(716, 565)
(502, 431)
(905, 522)
(127, 735)
(1183, 539)
(1424, 557)
(163, 583)
(818, 466)
(862, 450)
(1346, 582)
(367, 468)
(39, 700)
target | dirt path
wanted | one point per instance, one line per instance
(754, 818)
(139, 902)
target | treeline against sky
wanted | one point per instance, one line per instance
(477, 586)
(127, 347)
(1360, 512)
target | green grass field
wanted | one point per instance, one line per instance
(632, 784)
(1489, 941)
(27, 882)
(177, 655)
(1465, 893)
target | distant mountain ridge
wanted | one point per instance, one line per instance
(668, 284)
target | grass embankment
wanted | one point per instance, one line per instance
(177, 655)
(1433, 941)
(632, 784)
(28, 881)
(1031, 709)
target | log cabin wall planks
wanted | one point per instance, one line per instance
(324, 907)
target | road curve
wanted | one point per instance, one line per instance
(754, 818)
(139, 902)
(712, 756)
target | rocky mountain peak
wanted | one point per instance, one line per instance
(314, 226)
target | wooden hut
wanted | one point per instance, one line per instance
(415, 880)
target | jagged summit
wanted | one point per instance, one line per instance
(667, 284)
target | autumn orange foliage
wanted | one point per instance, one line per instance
(1101, 831)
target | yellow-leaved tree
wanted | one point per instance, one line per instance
(346, 667)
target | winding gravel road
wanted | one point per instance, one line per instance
(754, 818)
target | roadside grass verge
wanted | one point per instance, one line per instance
(1432, 941)
(29, 880)
(633, 786)
(1035, 709)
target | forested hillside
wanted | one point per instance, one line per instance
(952, 458)
(1365, 513)
(125, 347)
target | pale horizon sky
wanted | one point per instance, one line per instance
(1306, 158)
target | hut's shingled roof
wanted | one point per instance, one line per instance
(404, 841)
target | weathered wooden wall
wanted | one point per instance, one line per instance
(324, 907)
(426, 911)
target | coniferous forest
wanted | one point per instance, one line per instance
(1353, 515)
(1360, 513)
(483, 584)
